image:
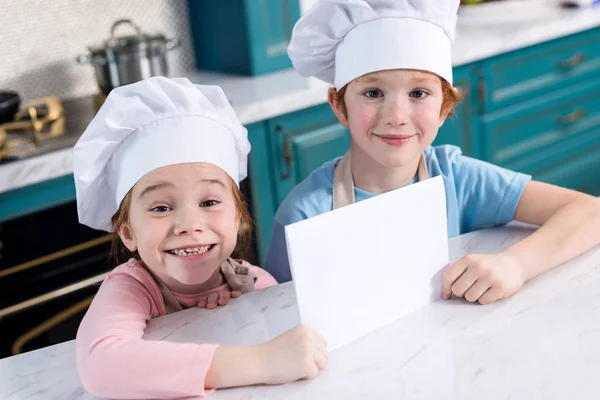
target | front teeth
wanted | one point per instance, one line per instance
(187, 252)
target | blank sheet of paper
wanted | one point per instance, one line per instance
(363, 266)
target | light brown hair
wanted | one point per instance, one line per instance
(121, 254)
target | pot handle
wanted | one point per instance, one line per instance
(88, 59)
(172, 43)
(127, 21)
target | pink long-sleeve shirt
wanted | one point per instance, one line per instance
(115, 362)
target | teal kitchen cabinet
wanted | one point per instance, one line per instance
(248, 37)
(540, 70)
(461, 129)
(529, 135)
(540, 112)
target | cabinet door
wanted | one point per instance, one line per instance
(310, 150)
(290, 137)
(460, 129)
(302, 153)
(248, 37)
(270, 25)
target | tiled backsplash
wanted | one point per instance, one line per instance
(41, 40)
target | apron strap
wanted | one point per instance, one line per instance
(343, 182)
(171, 303)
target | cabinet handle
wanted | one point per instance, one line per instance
(52, 295)
(572, 61)
(571, 117)
(286, 152)
(55, 256)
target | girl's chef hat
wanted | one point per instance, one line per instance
(340, 40)
(148, 125)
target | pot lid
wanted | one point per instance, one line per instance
(137, 40)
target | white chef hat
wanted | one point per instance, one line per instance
(340, 40)
(148, 125)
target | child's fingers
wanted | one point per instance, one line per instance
(464, 282)
(491, 295)
(235, 294)
(202, 302)
(211, 303)
(320, 360)
(323, 352)
(477, 290)
(224, 297)
(451, 274)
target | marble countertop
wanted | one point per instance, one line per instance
(478, 36)
(541, 343)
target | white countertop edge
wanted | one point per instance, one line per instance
(569, 22)
(36, 169)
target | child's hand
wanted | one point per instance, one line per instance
(218, 298)
(300, 353)
(483, 278)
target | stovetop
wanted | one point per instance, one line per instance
(77, 113)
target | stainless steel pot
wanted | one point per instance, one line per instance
(128, 59)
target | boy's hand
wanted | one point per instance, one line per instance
(218, 298)
(483, 277)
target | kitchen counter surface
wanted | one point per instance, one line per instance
(479, 35)
(541, 343)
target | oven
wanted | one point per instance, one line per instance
(50, 269)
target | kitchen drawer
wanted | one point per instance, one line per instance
(523, 74)
(541, 130)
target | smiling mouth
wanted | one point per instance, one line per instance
(191, 250)
(394, 137)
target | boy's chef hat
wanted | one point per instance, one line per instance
(340, 40)
(148, 125)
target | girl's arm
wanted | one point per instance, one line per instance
(115, 362)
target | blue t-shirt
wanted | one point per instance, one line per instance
(478, 195)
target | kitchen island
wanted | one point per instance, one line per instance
(541, 343)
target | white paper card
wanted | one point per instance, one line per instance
(365, 265)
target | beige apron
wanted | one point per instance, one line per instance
(343, 182)
(237, 276)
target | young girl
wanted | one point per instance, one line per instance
(390, 64)
(160, 166)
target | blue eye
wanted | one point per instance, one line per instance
(160, 209)
(209, 203)
(418, 94)
(373, 94)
